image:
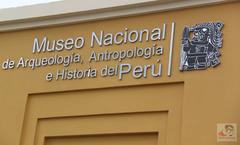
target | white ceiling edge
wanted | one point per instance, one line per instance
(72, 11)
(16, 3)
(62, 7)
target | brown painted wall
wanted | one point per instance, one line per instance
(182, 109)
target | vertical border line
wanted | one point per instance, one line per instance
(171, 50)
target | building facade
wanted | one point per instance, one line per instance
(127, 72)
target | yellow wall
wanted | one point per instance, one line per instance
(181, 109)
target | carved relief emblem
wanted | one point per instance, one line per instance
(200, 46)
